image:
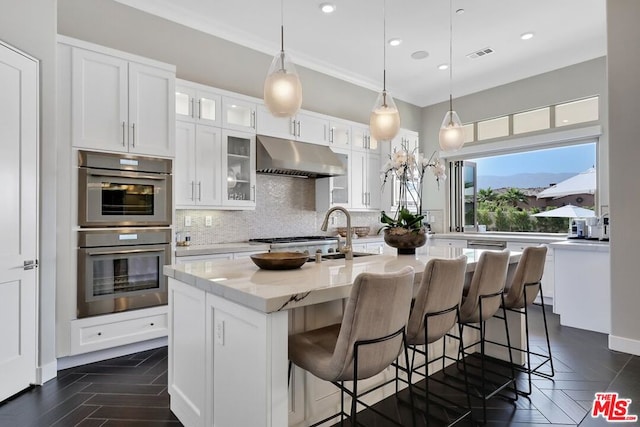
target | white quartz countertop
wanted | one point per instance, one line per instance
(581, 245)
(241, 281)
(508, 237)
(220, 248)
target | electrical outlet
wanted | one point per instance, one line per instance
(220, 332)
(187, 221)
(208, 221)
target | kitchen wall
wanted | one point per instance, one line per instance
(34, 33)
(285, 206)
(624, 103)
(209, 60)
(577, 81)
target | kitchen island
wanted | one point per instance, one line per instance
(228, 328)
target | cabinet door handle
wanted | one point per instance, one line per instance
(331, 135)
(193, 191)
(30, 264)
(292, 127)
(298, 128)
(133, 126)
(199, 109)
(124, 127)
(253, 119)
(199, 191)
(192, 108)
(253, 189)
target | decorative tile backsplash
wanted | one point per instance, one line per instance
(285, 206)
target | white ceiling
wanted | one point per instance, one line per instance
(348, 43)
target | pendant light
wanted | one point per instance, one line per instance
(451, 136)
(384, 122)
(282, 88)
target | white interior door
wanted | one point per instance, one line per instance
(18, 220)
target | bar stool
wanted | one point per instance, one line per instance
(369, 338)
(484, 298)
(435, 312)
(524, 288)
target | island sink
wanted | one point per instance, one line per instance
(339, 256)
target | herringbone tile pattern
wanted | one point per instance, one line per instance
(132, 390)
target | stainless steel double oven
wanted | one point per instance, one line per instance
(124, 214)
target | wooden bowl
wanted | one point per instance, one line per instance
(279, 260)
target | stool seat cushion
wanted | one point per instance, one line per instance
(313, 350)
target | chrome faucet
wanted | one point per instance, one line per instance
(346, 249)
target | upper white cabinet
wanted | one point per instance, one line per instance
(406, 138)
(198, 104)
(239, 169)
(198, 165)
(340, 133)
(305, 126)
(119, 104)
(361, 139)
(365, 178)
(238, 114)
(335, 190)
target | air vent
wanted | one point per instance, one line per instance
(482, 52)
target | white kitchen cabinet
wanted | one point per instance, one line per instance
(548, 275)
(454, 243)
(335, 190)
(583, 285)
(405, 138)
(238, 114)
(198, 103)
(339, 133)
(368, 247)
(122, 105)
(305, 126)
(214, 168)
(239, 169)
(365, 180)
(361, 139)
(112, 330)
(198, 165)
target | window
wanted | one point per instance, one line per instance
(493, 128)
(510, 188)
(571, 113)
(530, 121)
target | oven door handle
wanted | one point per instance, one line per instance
(132, 251)
(127, 175)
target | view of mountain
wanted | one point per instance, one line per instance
(522, 180)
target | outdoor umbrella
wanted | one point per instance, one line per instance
(583, 183)
(568, 211)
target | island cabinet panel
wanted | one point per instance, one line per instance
(187, 352)
(217, 349)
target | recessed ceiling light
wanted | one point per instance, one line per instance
(327, 7)
(459, 11)
(420, 54)
(526, 36)
(443, 67)
(395, 42)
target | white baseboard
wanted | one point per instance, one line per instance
(96, 356)
(46, 372)
(624, 345)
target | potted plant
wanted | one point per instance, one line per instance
(405, 230)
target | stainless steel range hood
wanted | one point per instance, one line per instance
(294, 158)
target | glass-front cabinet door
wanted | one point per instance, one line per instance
(238, 114)
(339, 186)
(238, 168)
(198, 105)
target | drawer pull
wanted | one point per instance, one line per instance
(99, 333)
(152, 323)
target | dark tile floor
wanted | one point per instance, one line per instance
(132, 390)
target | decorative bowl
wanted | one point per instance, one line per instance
(358, 231)
(361, 231)
(279, 260)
